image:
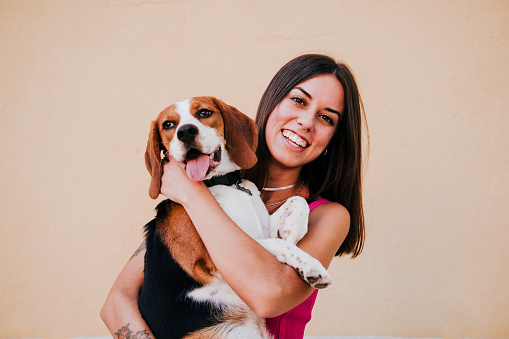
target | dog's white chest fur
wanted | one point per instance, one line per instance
(247, 211)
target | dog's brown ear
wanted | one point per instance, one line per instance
(153, 160)
(240, 133)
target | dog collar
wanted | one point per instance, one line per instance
(229, 179)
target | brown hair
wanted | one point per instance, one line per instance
(336, 176)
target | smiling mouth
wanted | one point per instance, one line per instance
(198, 164)
(294, 139)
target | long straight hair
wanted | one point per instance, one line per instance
(337, 175)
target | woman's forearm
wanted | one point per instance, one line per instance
(120, 311)
(122, 318)
(267, 286)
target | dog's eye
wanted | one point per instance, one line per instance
(169, 125)
(204, 113)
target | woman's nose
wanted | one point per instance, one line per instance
(305, 121)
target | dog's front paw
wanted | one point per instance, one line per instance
(315, 275)
(290, 221)
(310, 269)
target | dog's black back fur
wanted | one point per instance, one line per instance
(163, 303)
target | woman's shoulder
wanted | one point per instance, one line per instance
(330, 212)
(322, 204)
(328, 226)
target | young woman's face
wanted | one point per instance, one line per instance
(302, 124)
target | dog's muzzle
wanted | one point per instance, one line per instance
(197, 163)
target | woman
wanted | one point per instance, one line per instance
(309, 121)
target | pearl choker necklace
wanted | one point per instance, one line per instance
(273, 189)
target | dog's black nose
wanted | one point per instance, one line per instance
(187, 133)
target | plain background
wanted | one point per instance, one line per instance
(80, 82)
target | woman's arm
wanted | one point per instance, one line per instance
(267, 286)
(120, 311)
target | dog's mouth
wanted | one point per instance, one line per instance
(198, 165)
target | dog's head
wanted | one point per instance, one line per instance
(205, 136)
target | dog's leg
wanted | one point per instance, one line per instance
(290, 221)
(177, 232)
(290, 224)
(310, 269)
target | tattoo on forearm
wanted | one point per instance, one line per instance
(126, 333)
(142, 247)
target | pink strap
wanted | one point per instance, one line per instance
(317, 203)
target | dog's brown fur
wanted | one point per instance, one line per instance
(179, 235)
(236, 319)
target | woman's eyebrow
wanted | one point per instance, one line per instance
(303, 91)
(333, 111)
(309, 96)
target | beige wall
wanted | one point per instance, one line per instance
(80, 82)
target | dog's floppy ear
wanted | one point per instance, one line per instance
(153, 160)
(240, 133)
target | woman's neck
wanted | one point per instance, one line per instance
(279, 177)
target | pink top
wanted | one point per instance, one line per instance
(291, 324)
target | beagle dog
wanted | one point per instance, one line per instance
(183, 295)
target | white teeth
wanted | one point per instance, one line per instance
(294, 138)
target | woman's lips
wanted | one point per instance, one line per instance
(295, 139)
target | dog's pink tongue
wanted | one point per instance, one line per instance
(197, 168)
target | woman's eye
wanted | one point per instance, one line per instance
(204, 113)
(327, 119)
(299, 101)
(168, 125)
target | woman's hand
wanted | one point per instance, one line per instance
(176, 185)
